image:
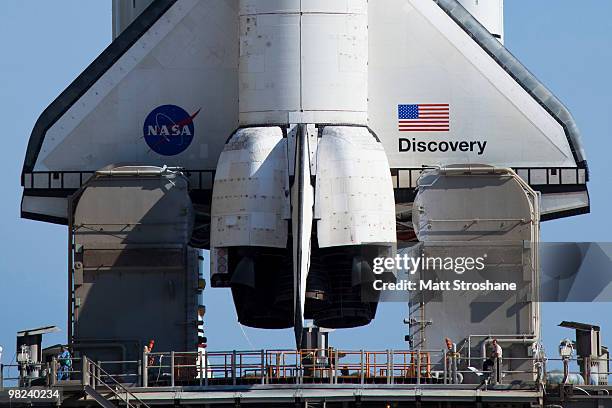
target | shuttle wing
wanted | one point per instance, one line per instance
(443, 90)
(163, 93)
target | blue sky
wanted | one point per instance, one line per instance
(46, 44)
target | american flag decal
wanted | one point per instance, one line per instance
(424, 117)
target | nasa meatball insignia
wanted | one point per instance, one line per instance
(169, 129)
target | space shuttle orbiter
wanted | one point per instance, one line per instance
(303, 126)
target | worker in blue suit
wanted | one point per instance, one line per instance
(65, 364)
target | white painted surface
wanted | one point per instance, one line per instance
(316, 64)
(106, 124)
(419, 55)
(308, 61)
(354, 202)
(303, 62)
(250, 203)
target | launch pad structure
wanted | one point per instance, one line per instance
(301, 141)
(287, 378)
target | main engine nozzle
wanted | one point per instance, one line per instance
(298, 216)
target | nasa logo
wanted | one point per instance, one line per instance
(169, 129)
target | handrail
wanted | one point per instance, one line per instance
(98, 379)
(269, 366)
(329, 366)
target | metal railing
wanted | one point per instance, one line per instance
(96, 377)
(4, 377)
(329, 366)
(596, 375)
(48, 374)
(71, 372)
(318, 366)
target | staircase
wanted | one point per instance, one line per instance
(315, 404)
(99, 398)
(93, 374)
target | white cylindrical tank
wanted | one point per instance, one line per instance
(490, 13)
(303, 61)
